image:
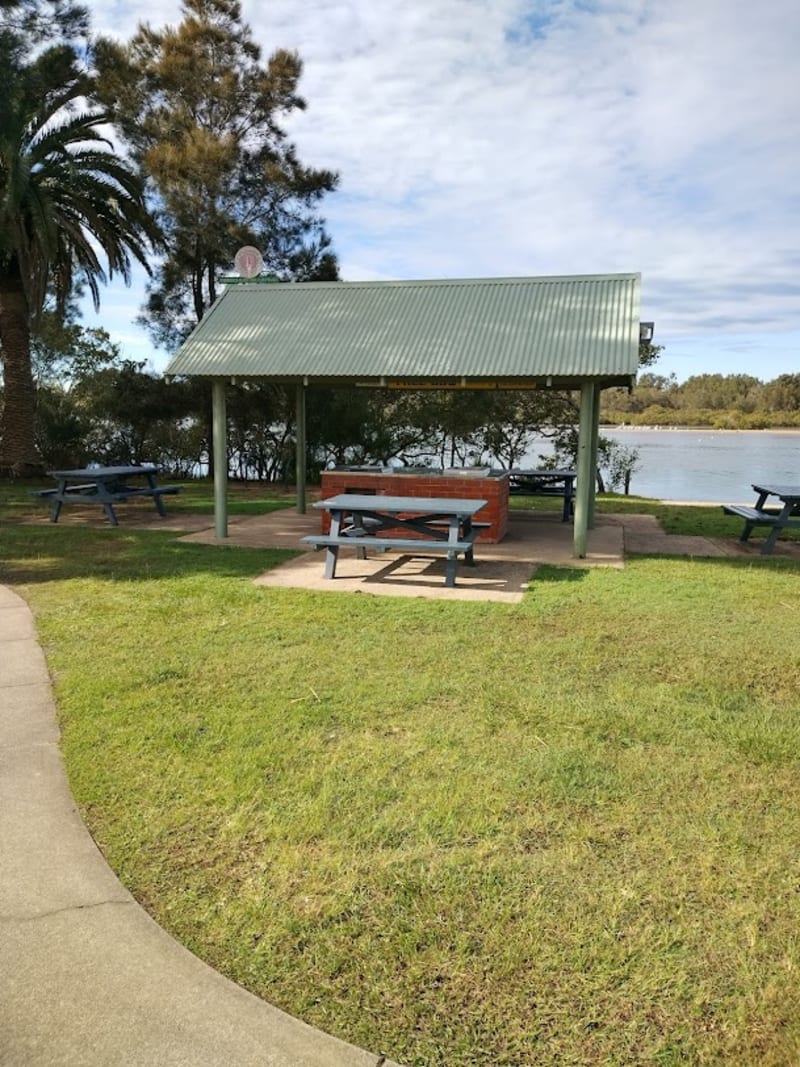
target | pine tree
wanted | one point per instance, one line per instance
(203, 116)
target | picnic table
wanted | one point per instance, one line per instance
(435, 524)
(785, 515)
(106, 486)
(545, 483)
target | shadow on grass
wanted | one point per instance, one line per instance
(548, 573)
(236, 506)
(30, 554)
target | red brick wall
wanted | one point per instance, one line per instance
(493, 490)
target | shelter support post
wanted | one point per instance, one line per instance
(584, 496)
(595, 439)
(219, 444)
(300, 458)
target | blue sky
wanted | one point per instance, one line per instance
(490, 138)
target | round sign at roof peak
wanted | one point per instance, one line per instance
(248, 262)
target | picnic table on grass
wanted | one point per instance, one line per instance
(778, 517)
(106, 486)
(430, 524)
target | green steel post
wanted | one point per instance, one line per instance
(219, 445)
(595, 445)
(300, 458)
(583, 495)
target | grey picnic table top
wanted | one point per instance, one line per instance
(422, 505)
(785, 492)
(104, 473)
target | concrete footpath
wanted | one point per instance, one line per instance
(86, 977)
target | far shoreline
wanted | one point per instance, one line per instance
(631, 427)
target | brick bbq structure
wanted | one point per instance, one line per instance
(470, 483)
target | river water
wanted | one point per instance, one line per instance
(713, 465)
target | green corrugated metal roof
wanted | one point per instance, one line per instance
(517, 330)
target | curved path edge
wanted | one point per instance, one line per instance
(86, 976)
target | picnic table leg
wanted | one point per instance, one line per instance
(358, 525)
(566, 513)
(453, 532)
(156, 496)
(466, 533)
(332, 551)
(749, 526)
(102, 494)
(748, 529)
(331, 554)
(769, 544)
(772, 540)
(55, 507)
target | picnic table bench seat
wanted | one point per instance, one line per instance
(125, 491)
(478, 526)
(410, 544)
(758, 516)
(69, 489)
(360, 542)
(535, 487)
(120, 494)
(764, 516)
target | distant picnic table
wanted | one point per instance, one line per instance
(545, 483)
(106, 486)
(778, 517)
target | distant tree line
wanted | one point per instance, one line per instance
(721, 401)
(95, 406)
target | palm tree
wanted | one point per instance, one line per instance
(67, 203)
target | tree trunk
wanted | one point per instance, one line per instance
(19, 456)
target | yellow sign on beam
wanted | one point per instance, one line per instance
(463, 383)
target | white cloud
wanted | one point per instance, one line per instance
(491, 137)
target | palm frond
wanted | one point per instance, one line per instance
(68, 202)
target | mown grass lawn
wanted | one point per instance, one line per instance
(558, 832)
